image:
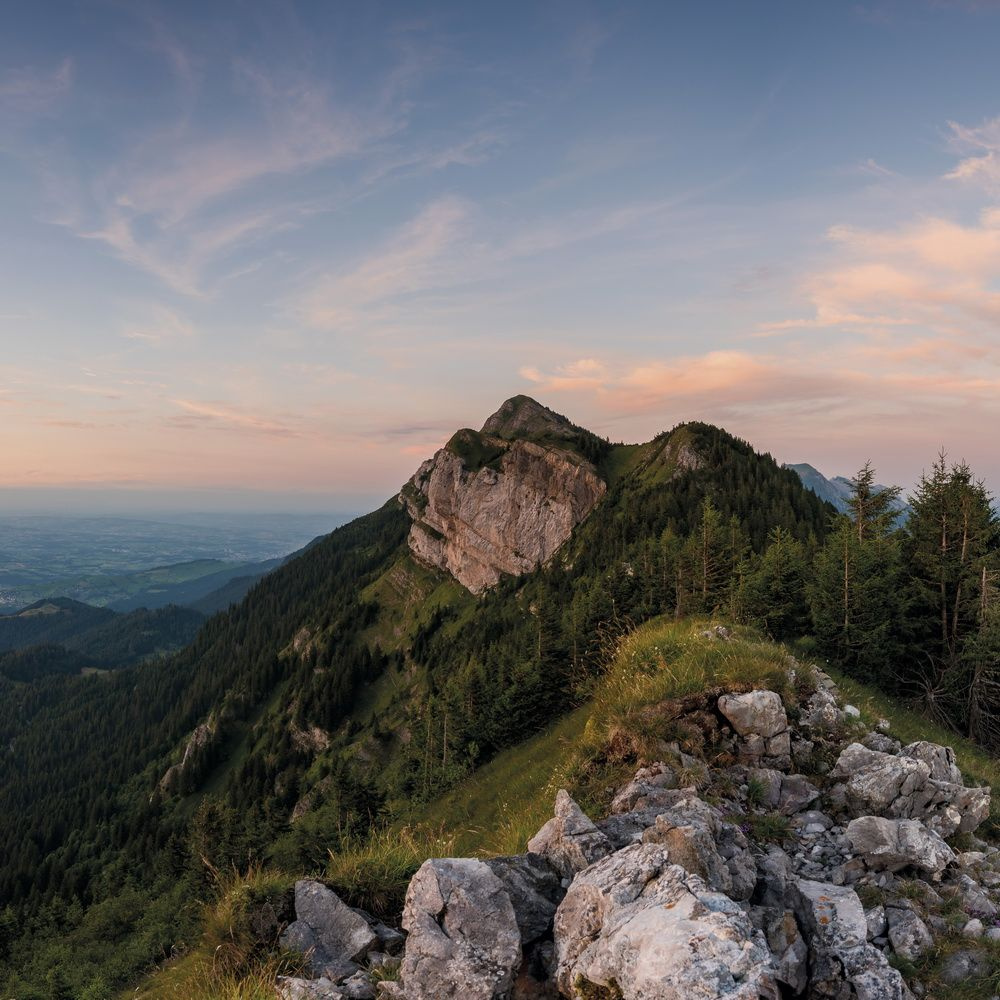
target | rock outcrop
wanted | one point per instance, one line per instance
(903, 786)
(647, 927)
(500, 501)
(758, 884)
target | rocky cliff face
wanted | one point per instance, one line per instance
(501, 500)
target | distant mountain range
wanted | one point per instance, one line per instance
(835, 491)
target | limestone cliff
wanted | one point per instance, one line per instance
(501, 500)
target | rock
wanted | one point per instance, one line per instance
(961, 966)
(389, 990)
(655, 930)
(901, 786)
(908, 933)
(646, 789)
(699, 839)
(757, 713)
(941, 760)
(358, 987)
(292, 988)
(327, 931)
(852, 712)
(877, 923)
(463, 941)
(534, 890)
(486, 505)
(836, 929)
(894, 844)
(569, 841)
(791, 954)
(796, 794)
(974, 928)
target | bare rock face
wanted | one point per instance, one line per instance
(488, 504)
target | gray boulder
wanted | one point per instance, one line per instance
(902, 786)
(894, 844)
(464, 941)
(841, 960)
(658, 933)
(698, 838)
(292, 988)
(908, 934)
(569, 841)
(757, 713)
(534, 890)
(327, 931)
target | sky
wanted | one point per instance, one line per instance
(282, 250)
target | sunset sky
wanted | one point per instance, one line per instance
(289, 247)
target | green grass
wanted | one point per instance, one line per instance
(497, 809)
(373, 872)
(660, 678)
(232, 960)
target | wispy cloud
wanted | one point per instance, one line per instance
(160, 324)
(201, 416)
(28, 89)
(982, 168)
(413, 260)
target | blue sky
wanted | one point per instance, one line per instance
(289, 247)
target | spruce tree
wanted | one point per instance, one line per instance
(953, 535)
(856, 594)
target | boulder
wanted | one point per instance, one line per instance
(569, 841)
(840, 958)
(534, 890)
(464, 941)
(292, 988)
(941, 760)
(757, 713)
(894, 844)
(698, 838)
(796, 793)
(902, 786)
(657, 932)
(327, 931)
(908, 934)
(650, 787)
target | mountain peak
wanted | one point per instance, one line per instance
(522, 416)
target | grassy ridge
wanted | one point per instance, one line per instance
(497, 809)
